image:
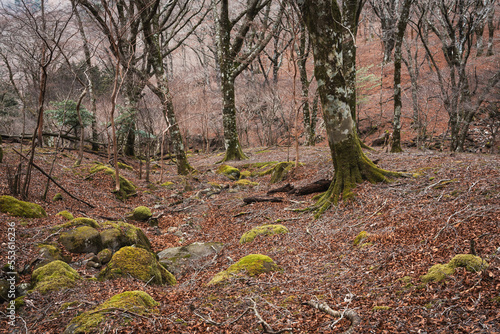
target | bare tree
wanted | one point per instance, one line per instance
(235, 53)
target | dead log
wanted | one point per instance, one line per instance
(285, 189)
(254, 199)
(315, 187)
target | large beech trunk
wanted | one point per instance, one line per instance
(323, 19)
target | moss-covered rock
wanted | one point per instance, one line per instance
(141, 213)
(138, 263)
(246, 183)
(280, 171)
(251, 265)
(231, 172)
(48, 253)
(57, 197)
(83, 239)
(17, 208)
(245, 174)
(127, 188)
(54, 276)
(80, 221)
(179, 259)
(270, 229)
(66, 215)
(105, 255)
(438, 272)
(121, 165)
(360, 237)
(137, 302)
(468, 261)
(119, 234)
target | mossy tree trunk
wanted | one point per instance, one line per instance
(234, 55)
(400, 33)
(151, 26)
(324, 19)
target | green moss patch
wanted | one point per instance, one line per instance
(57, 197)
(137, 302)
(381, 308)
(246, 183)
(80, 221)
(141, 213)
(251, 265)
(439, 272)
(229, 171)
(270, 229)
(17, 208)
(138, 263)
(360, 237)
(54, 276)
(66, 215)
(167, 184)
(119, 234)
(121, 165)
(127, 188)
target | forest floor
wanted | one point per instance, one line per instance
(413, 223)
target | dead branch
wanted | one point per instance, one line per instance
(212, 322)
(284, 189)
(265, 326)
(55, 182)
(254, 199)
(349, 314)
(315, 187)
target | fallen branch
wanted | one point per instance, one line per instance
(265, 326)
(254, 199)
(315, 187)
(55, 182)
(349, 314)
(284, 189)
(212, 322)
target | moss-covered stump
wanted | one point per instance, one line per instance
(250, 265)
(54, 276)
(66, 215)
(127, 188)
(119, 234)
(83, 239)
(17, 208)
(270, 229)
(136, 302)
(179, 259)
(229, 171)
(138, 263)
(439, 272)
(141, 213)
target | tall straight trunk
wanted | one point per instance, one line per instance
(323, 19)
(231, 139)
(400, 33)
(491, 31)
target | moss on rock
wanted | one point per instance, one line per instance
(246, 183)
(270, 229)
(280, 171)
(141, 213)
(121, 165)
(229, 171)
(360, 237)
(138, 263)
(80, 221)
(251, 265)
(57, 197)
(17, 208)
(127, 188)
(137, 302)
(438, 272)
(105, 255)
(120, 234)
(54, 276)
(83, 239)
(49, 253)
(66, 215)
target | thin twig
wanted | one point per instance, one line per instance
(349, 314)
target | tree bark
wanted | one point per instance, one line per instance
(324, 19)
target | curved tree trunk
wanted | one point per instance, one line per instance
(323, 19)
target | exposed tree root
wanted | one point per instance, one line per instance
(349, 314)
(235, 153)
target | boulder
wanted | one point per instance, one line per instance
(80, 221)
(54, 276)
(141, 213)
(66, 215)
(137, 302)
(118, 234)
(17, 208)
(83, 239)
(105, 255)
(250, 265)
(196, 255)
(138, 263)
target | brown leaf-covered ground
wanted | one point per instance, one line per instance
(413, 222)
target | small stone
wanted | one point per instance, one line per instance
(92, 264)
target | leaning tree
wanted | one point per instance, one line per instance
(324, 20)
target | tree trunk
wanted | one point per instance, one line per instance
(323, 19)
(491, 31)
